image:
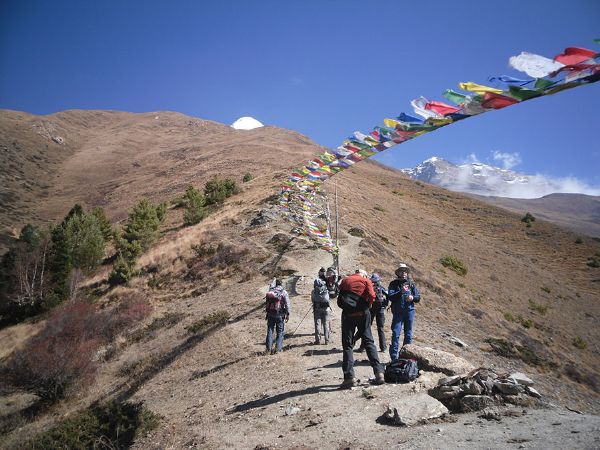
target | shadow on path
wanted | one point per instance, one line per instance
(283, 396)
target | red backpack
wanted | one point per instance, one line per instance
(275, 304)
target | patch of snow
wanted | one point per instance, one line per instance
(246, 123)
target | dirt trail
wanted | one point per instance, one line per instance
(292, 400)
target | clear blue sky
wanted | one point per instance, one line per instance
(323, 68)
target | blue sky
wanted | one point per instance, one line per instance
(323, 68)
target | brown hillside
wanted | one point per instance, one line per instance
(113, 159)
(215, 389)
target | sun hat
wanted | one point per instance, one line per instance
(363, 272)
(402, 268)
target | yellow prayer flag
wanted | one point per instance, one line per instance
(474, 87)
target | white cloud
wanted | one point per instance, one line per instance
(484, 180)
(508, 160)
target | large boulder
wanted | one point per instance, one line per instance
(412, 409)
(437, 360)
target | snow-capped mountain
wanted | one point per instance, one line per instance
(478, 178)
(246, 123)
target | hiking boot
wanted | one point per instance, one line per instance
(348, 383)
(379, 378)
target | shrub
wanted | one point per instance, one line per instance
(63, 352)
(108, 426)
(60, 354)
(547, 290)
(217, 190)
(194, 203)
(528, 218)
(247, 177)
(356, 232)
(579, 240)
(542, 309)
(214, 318)
(122, 272)
(579, 343)
(379, 208)
(509, 317)
(509, 350)
(454, 264)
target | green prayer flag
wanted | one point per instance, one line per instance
(454, 96)
(542, 83)
(523, 94)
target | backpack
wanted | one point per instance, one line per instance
(401, 371)
(320, 295)
(379, 297)
(275, 305)
(351, 302)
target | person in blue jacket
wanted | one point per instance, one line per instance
(402, 294)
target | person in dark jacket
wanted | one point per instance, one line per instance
(278, 309)
(402, 294)
(356, 324)
(377, 311)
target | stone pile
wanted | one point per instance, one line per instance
(483, 388)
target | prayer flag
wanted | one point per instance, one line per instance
(479, 88)
(574, 55)
(454, 97)
(533, 65)
(440, 108)
(497, 101)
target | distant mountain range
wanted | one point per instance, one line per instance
(506, 189)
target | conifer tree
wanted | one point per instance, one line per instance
(194, 203)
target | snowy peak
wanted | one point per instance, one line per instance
(246, 123)
(475, 178)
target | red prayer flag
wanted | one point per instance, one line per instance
(440, 108)
(497, 101)
(574, 55)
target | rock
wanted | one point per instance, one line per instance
(414, 408)
(470, 403)
(59, 140)
(471, 388)
(490, 414)
(449, 381)
(445, 392)
(508, 388)
(291, 410)
(455, 340)
(263, 216)
(531, 391)
(437, 360)
(520, 378)
(520, 400)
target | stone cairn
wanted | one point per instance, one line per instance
(482, 388)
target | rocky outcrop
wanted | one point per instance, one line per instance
(437, 360)
(413, 409)
(483, 388)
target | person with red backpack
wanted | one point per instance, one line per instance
(355, 298)
(278, 312)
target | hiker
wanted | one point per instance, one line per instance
(332, 280)
(321, 308)
(402, 294)
(378, 312)
(278, 312)
(355, 297)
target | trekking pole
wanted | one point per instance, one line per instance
(294, 332)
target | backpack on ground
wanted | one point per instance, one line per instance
(401, 371)
(320, 295)
(274, 302)
(351, 302)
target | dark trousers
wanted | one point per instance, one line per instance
(360, 326)
(378, 315)
(278, 324)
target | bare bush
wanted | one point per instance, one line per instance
(62, 354)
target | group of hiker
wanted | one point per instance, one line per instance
(363, 299)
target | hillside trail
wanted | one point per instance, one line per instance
(293, 400)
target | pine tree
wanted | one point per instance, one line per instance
(104, 223)
(194, 203)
